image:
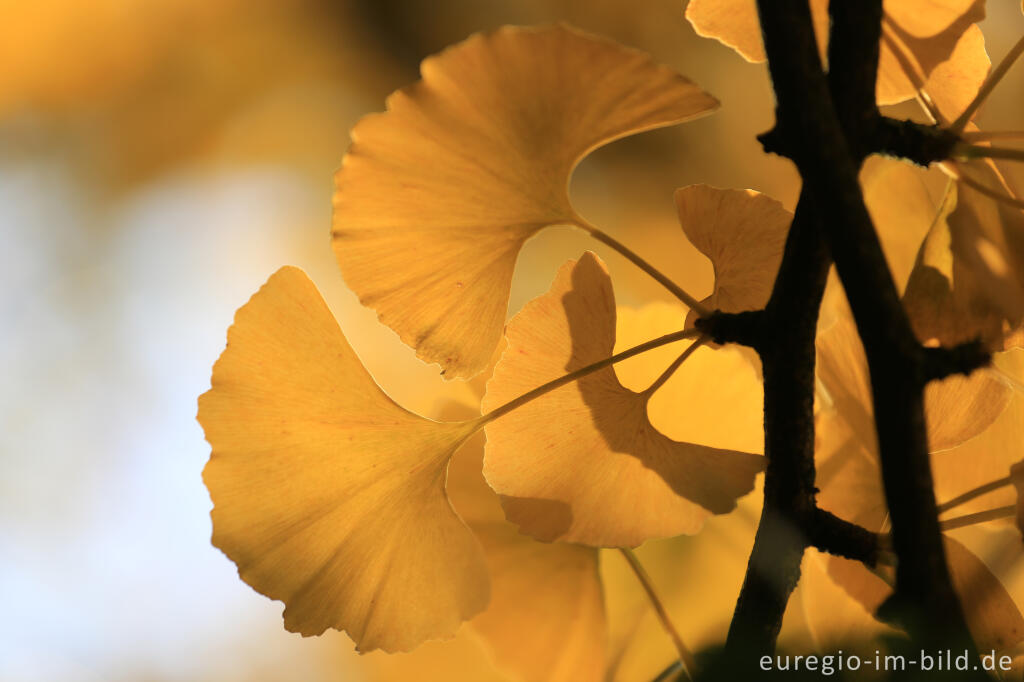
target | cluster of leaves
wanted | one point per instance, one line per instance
(352, 511)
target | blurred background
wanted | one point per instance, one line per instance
(159, 159)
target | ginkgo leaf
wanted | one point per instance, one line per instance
(735, 23)
(918, 35)
(1017, 478)
(834, 619)
(743, 233)
(957, 408)
(987, 457)
(988, 237)
(994, 619)
(546, 620)
(850, 482)
(954, 83)
(945, 300)
(901, 210)
(328, 495)
(583, 463)
(437, 195)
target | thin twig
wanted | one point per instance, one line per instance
(979, 517)
(973, 494)
(685, 655)
(502, 410)
(677, 291)
(986, 88)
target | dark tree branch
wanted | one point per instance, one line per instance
(828, 533)
(786, 346)
(924, 601)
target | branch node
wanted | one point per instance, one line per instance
(915, 142)
(939, 363)
(746, 328)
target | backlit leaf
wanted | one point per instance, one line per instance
(743, 233)
(546, 620)
(437, 195)
(955, 82)
(957, 408)
(583, 463)
(918, 36)
(988, 236)
(328, 495)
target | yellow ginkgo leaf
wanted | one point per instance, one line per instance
(437, 195)
(957, 408)
(743, 233)
(583, 463)
(850, 483)
(986, 458)
(901, 210)
(988, 237)
(993, 617)
(328, 495)
(944, 300)
(1017, 478)
(918, 36)
(735, 23)
(834, 619)
(546, 620)
(955, 82)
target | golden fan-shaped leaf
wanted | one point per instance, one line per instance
(918, 36)
(955, 82)
(901, 210)
(850, 483)
(957, 408)
(546, 620)
(988, 237)
(994, 619)
(328, 495)
(734, 23)
(583, 463)
(437, 195)
(1017, 478)
(987, 457)
(743, 233)
(945, 301)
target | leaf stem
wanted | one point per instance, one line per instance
(685, 655)
(502, 410)
(979, 517)
(667, 374)
(972, 494)
(967, 151)
(987, 191)
(986, 88)
(635, 259)
(987, 135)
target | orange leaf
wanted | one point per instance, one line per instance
(437, 195)
(583, 463)
(546, 620)
(328, 495)
(743, 233)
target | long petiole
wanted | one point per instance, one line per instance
(635, 259)
(990, 83)
(989, 192)
(979, 517)
(685, 655)
(972, 494)
(667, 374)
(582, 372)
(967, 151)
(988, 135)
